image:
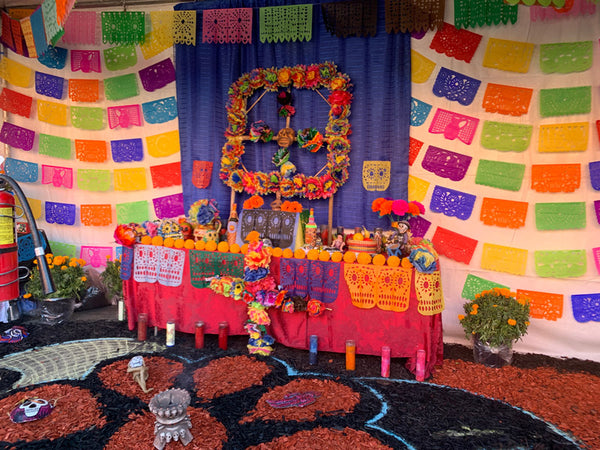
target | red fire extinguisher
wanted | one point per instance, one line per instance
(9, 257)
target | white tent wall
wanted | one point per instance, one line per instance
(564, 336)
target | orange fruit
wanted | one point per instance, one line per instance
(235, 248)
(146, 240)
(244, 249)
(169, 242)
(179, 243)
(223, 246)
(313, 254)
(406, 263)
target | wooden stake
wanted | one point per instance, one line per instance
(330, 222)
(322, 96)
(257, 100)
(321, 170)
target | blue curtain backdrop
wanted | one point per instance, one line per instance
(379, 68)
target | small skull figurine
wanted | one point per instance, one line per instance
(31, 409)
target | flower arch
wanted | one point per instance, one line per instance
(314, 77)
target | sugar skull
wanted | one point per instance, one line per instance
(187, 231)
(201, 174)
(31, 409)
(376, 175)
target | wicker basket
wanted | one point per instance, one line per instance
(362, 246)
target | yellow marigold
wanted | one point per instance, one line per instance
(349, 257)
(169, 242)
(50, 266)
(378, 260)
(324, 256)
(223, 247)
(475, 306)
(512, 322)
(82, 262)
(28, 295)
(337, 257)
(35, 261)
(157, 240)
(364, 258)
(211, 246)
(58, 260)
(83, 278)
(277, 252)
(461, 316)
(474, 312)
(179, 243)
(299, 254)
(189, 244)
(146, 240)
(63, 268)
(393, 261)
(72, 263)
(108, 257)
(288, 253)
(235, 248)
(313, 254)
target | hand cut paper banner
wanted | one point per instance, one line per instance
(23, 171)
(80, 28)
(578, 8)
(123, 27)
(184, 28)
(453, 245)
(594, 168)
(455, 43)
(286, 23)
(121, 87)
(85, 60)
(414, 149)
(169, 206)
(565, 101)
(597, 209)
(53, 30)
(162, 264)
(133, 179)
(204, 265)
(49, 85)
(560, 216)
(560, 263)
(96, 256)
(452, 203)
(157, 75)
(96, 180)
(454, 125)
(124, 116)
(160, 36)
(446, 164)
(568, 137)
(376, 175)
(136, 212)
(477, 13)
(87, 118)
(15, 73)
(57, 176)
(508, 100)
(419, 111)
(506, 137)
(419, 226)
(160, 111)
(28, 35)
(165, 144)
(474, 285)
(60, 248)
(350, 18)
(503, 213)
(52, 112)
(512, 56)
(96, 215)
(417, 188)
(455, 86)
(16, 136)
(385, 287)
(596, 252)
(566, 57)
(421, 67)
(60, 213)
(504, 259)
(430, 296)
(58, 147)
(166, 175)
(84, 90)
(227, 26)
(54, 57)
(586, 307)
(91, 151)
(500, 174)
(120, 58)
(542, 305)
(16, 103)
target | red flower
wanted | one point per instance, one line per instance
(376, 205)
(340, 98)
(400, 207)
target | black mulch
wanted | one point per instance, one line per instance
(398, 411)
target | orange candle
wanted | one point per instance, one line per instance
(350, 355)
(199, 335)
(142, 326)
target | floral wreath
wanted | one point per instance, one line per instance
(315, 76)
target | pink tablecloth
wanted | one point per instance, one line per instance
(404, 332)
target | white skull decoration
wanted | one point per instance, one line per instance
(31, 409)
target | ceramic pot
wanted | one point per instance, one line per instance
(491, 356)
(208, 232)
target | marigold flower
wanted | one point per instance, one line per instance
(83, 278)
(512, 322)
(461, 317)
(526, 323)
(475, 306)
(27, 295)
(474, 312)
(63, 268)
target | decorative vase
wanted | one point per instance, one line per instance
(489, 356)
(56, 310)
(208, 232)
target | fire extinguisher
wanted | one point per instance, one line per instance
(9, 258)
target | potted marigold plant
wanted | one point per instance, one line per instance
(495, 319)
(70, 283)
(111, 277)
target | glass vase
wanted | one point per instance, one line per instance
(489, 356)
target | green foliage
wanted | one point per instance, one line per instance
(112, 278)
(496, 317)
(68, 276)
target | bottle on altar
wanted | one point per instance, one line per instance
(310, 230)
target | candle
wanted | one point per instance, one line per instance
(199, 334)
(385, 361)
(170, 333)
(142, 325)
(223, 331)
(121, 310)
(350, 355)
(420, 370)
(312, 356)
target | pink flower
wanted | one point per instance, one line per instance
(400, 207)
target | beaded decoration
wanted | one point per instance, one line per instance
(169, 206)
(506, 137)
(542, 305)
(15, 103)
(508, 100)
(452, 203)
(420, 67)
(556, 177)
(430, 297)
(385, 287)
(500, 174)
(95, 215)
(586, 307)
(96, 180)
(503, 213)
(57, 176)
(512, 56)
(166, 175)
(453, 245)
(560, 216)
(560, 263)
(504, 259)
(132, 179)
(565, 101)
(446, 164)
(474, 285)
(60, 213)
(91, 151)
(455, 86)
(376, 175)
(133, 212)
(566, 137)
(455, 43)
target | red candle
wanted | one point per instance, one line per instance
(223, 332)
(350, 355)
(142, 326)
(385, 361)
(200, 334)
(421, 361)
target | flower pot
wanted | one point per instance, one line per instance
(489, 356)
(56, 310)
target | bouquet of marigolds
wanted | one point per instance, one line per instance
(112, 278)
(68, 276)
(495, 317)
